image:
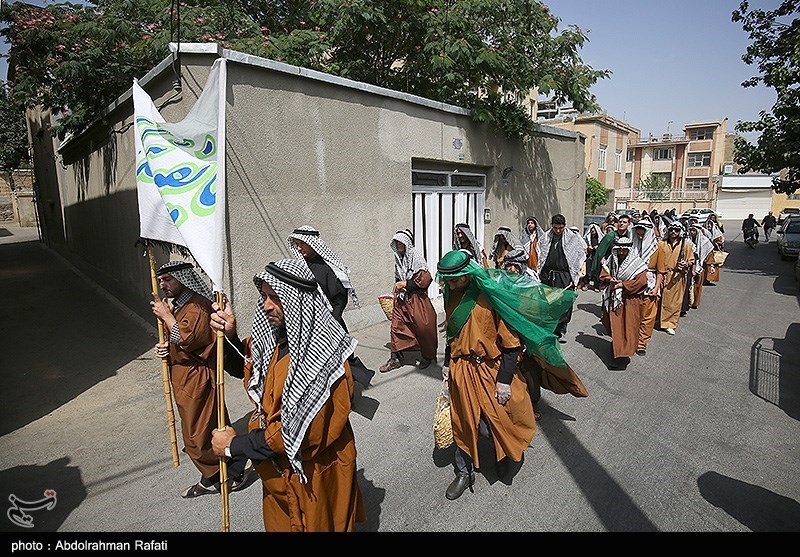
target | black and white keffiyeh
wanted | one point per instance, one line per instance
(646, 246)
(184, 273)
(623, 270)
(588, 236)
(701, 245)
(573, 251)
(318, 348)
(310, 236)
(517, 258)
(502, 232)
(410, 263)
(475, 249)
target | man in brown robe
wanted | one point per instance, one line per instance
(529, 238)
(679, 259)
(703, 252)
(192, 354)
(413, 319)
(624, 277)
(296, 372)
(647, 248)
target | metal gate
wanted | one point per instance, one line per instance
(440, 201)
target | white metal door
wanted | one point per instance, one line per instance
(441, 200)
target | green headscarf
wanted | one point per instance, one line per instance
(530, 308)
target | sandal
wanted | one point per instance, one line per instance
(199, 489)
(245, 480)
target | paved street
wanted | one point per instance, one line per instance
(702, 434)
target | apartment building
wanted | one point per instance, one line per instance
(607, 142)
(690, 163)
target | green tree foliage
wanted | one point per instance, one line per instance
(485, 55)
(654, 188)
(596, 195)
(775, 48)
(13, 133)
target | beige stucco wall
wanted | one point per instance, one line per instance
(304, 151)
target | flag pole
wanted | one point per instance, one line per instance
(223, 465)
(164, 368)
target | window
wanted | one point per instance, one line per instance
(662, 154)
(628, 180)
(665, 176)
(699, 159)
(629, 156)
(618, 162)
(793, 196)
(601, 163)
(697, 183)
(701, 133)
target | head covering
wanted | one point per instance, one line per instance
(645, 247)
(518, 258)
(474, 247)
(530, 308)
(626, 269)
(574, 251)
(318, 348)
(504, 232)
(702, 246)
(525, 237)
(588, 236)
(185, 274)
(411, 262)
(310, 236)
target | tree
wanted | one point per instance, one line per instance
(486, 55)
(596, 195)
(654, 188)
(13, 134)
(775, 48)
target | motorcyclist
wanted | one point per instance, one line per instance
(750, 224)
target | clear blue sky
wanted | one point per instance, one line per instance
(678, 60)
(671, 60)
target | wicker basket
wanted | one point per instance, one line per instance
(442, 425)
(387, 305)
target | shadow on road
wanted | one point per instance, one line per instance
(775, 370)
(28, 484)
(758, 508)
(601, 347)
(615, 508)
(594, 309)
(373, 497)
(60, 337)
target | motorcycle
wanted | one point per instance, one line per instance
(750, 237)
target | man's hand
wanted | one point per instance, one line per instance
(221, 438)
(502, 392)
(161, 349)
(400, 285)
(162, 310)
(445, 372)
(223, 319)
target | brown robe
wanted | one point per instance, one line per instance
(559, 380)
(193, 366)
(623, 323)
(414, 319)
(658, 264)
(533, 256)
(674, 286)
(700, 279)
(472, 385)
(330, 501)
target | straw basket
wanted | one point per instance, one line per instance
(719, 257)
(442, 425)
(387, 305)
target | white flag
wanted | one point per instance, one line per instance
(180, 174)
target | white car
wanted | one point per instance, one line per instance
(701, 213)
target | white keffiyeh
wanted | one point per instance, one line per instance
(411, 262)
(646, 246)
(475, 249)
(625, 270)
(318, 348)
(525, 236)
(702, 246)
(503, 232)
(311, 237)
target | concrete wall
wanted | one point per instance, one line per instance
(306, 151)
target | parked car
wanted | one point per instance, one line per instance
(787, 211)
(789, 237)
(701, 213)
(797, 271)
(592, 219)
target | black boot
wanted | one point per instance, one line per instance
(459, 485)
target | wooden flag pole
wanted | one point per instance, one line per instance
(164, 368)
(223, 465)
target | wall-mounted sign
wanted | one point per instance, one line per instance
(458, 143)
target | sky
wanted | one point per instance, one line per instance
(673, 62)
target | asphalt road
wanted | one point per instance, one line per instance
(700, 435)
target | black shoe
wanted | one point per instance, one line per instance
(248, 477)
(562, 340)
(641, 352)
(459, 485)
(422, 363)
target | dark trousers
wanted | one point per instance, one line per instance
(559, 279)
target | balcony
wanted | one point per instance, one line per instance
(634, 194)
